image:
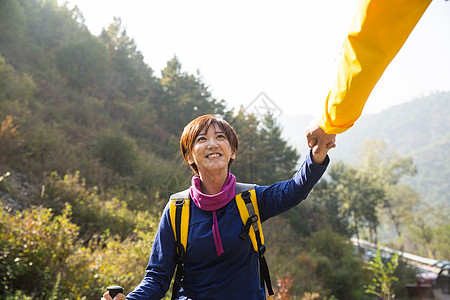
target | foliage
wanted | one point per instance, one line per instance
(117, 152)
(429, 230)
(416, 129)
(387, 170)
(91, 211)
(338, 268)
(357, 195)
(90, 107)
(264, 157)
(34, 247)
(276, 158)
(324, 263)
(283, 288)
(82, 62)
(406, 274)
(9, 139)
(42, 256)
(321, 210)
(383, 276)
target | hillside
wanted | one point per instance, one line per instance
(89, 153)
(419, 128)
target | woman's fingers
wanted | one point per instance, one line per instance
(119, 296)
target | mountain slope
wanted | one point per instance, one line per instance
(419, 128)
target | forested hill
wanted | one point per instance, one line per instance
(89, 155)
(73, 102)
(89, 151)
(419, 128)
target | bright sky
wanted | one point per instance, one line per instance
(287, 49)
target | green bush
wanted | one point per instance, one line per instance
(405, 274)
(42, 256)
(34, 247)
(117, 152)
(338, 269)
(91, 211)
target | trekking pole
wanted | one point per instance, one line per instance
(114, 290)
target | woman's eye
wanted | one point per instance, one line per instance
(201, 138)
(221, 136)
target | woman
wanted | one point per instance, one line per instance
(219, 264)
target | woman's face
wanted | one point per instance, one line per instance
(211, 151)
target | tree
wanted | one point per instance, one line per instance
(186, 97)
(384, 163)
(276, 159)
(14, 86)
(12, 26)
(358, 195)
(117, 152)
(246, 126)
(130, 75)
(429, 230)
(386, 169)
(401, 200)
(383, 276)
(84, 63)
(321, 210)
(338, 269)
(263, 157)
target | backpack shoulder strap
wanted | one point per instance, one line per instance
(248, 209)
(242, 187)
(179, 216)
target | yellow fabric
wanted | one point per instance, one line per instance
(184, 220)
(378, 31)
(244, 217)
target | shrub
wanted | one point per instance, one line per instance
(34, 247)
(9, 139)
(117, 152)
(383, 276)
(338, 268)
(91, 211)
(42, 257)
(108, 260)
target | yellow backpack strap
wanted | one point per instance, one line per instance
(179, 217)
(248, 209)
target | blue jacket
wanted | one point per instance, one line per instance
(234, 274)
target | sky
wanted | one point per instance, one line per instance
(283, 52)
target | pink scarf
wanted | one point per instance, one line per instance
(213, 203)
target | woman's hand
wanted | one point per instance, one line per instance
(119, 296)
(320, 150)
(319, 141)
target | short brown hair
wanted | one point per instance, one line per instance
(193, 129)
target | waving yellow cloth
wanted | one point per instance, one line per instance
(378, 31)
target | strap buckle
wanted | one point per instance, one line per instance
(250, 221)
(178, 202)
(262, 250)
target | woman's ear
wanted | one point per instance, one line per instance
(233, 155)
(189, 158)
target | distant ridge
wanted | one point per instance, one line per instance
(419, 128)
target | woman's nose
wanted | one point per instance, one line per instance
(212, 143)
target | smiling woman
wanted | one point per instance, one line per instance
(211, 133)
(211, 251)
